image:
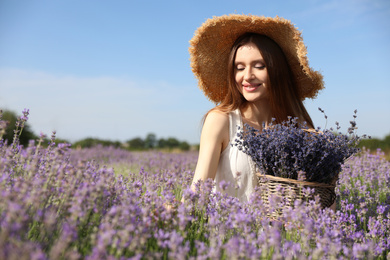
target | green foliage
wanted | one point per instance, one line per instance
(151, 142)
(172, 143)
(136, 144)
(375, 143)
(91, 142)
(184, 146)
(11, 118)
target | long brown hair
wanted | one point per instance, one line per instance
(283, 93)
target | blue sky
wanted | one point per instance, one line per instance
(120, 69)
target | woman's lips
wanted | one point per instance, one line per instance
(251, 87)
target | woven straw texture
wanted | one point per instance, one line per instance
(288, 190)
(212, 42)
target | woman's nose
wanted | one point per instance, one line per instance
(248, 74)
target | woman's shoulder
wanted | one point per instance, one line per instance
(216, 128)
(217, 117)
(217, 122)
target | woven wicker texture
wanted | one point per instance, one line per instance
(288, 190)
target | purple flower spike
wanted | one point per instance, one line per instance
(108, 203)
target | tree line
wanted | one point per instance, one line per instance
(376, 143)
(136, 144)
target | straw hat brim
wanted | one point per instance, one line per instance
(210, 48)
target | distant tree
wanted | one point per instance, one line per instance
(184, 146)
(375, 143)
(91, 142)
(136, 144)
(150, 141)
(85, 143)
(162, 143)
(387, 140)
(172, 143)
(115, 144)
(10, 118)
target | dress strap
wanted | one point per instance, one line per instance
(234, 121)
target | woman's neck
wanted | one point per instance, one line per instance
(255, 114)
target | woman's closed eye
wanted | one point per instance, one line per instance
(259, 65)
(240, 67)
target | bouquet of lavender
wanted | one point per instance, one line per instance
(290, 149)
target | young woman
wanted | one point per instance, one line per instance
(255, 69)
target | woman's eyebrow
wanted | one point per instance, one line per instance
(255, 61)
(259, 60)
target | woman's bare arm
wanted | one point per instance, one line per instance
(214, 138)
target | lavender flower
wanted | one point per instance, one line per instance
(106, 203)
(290, 150)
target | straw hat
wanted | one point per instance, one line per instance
(212, 42)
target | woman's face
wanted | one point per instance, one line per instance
(250, 73)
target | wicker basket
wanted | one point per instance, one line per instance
(288, 190)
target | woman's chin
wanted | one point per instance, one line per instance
(256, 98)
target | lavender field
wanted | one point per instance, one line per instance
(106, 203)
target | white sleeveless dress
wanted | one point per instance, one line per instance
(234, 166)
